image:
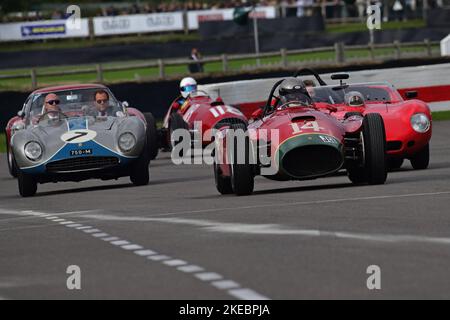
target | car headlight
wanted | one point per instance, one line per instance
(420, 122)
(33, 150)
(127, 141)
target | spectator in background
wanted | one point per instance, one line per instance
(197, 57)
(301, 8)
(350, 8)
(399, 10)
(361, 4)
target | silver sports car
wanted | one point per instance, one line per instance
(78, 133)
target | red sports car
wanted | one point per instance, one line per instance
(408, 122)
(17, 122)
(199, 114)
(296, 140)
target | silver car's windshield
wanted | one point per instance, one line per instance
(74, 104)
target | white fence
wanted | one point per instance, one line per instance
(445, 46)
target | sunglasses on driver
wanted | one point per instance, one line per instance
(103, 101)
(53, 102)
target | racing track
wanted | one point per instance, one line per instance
(177, 238)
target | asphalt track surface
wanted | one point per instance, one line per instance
(178, 239)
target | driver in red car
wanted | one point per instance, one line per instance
(354, 99)
(187, 85)
(294, 90)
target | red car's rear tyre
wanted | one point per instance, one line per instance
(176, 122)
(27, 184)
(422, 159)
(242, 175)
(223, 184)
(152, 136)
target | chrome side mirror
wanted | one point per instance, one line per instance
(21, 114)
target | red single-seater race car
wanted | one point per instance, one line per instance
(17, 122)
(300, 142)
(408, 122)
(199, 108)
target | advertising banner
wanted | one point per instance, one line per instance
(140, 23)
(49, 29)
(196, 17)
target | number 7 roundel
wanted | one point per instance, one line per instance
(78, 136)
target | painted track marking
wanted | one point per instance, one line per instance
(178, 264)
(279, 230)
(290, 204)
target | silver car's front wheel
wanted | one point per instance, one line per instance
(27, 184)
(11, 162)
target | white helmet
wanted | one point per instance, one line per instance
(187, 85)
(354, 99)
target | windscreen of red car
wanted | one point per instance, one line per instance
(373, 93)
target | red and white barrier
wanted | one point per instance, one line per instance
(432, 83)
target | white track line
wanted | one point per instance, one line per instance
(246, 294)
(191, 269)
(280, 230)
(29, 214)
(209, 276)
(216, 280)
(290, 204)
(100, 235)
(175, 263)
(160, 257)
(130, 247)
(144, 253)
(225, 284)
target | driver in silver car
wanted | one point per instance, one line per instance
(294, 90)
(51, 109)
(51, 103)
(104, 109)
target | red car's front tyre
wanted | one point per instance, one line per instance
(374, 170)
(242, 175)
(422, 159)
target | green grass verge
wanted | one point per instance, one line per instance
(100, 41)
(2, 142)
(441, 115)
(178, 71)
(390, 25)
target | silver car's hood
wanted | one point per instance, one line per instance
(77, 133)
